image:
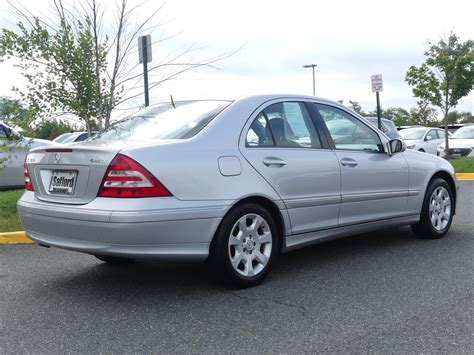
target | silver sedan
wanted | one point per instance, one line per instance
(234, 182)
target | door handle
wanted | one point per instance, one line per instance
(348, 162)
(272, 161)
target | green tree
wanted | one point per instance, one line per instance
(50, 129)
(467, 117)
(354, 105)
(398, 115)
(423, 114)
(14, 113)
(446, 76)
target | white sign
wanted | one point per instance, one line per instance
(142, 48)
(377, 85)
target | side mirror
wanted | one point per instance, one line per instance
(395, 146)
(428, 138)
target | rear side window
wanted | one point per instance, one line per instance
(259, 134)
(82, 137)
(284, 124)
(182, 120)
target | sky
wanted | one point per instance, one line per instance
(348, 40)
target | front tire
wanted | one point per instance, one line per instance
(437, 211)
(244, 246)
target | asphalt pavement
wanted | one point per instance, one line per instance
(380, 292)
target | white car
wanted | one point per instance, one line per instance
(14, 148)
(460, 143)
(423, 139)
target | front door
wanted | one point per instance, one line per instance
(374, 185)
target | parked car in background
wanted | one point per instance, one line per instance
(388, 127)
(460, 143)
(234, 181)
(73, 137)
(423, 139)
(454, 127)
(399, 128)
(14, 150)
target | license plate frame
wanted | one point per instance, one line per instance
(68, 189)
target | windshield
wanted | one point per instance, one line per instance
(464, 133)
(180, 121)
(414, 134)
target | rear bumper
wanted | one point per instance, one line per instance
(184, 233)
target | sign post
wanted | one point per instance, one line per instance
(144, 56)
(377, 86)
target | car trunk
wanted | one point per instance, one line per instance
(70, 175)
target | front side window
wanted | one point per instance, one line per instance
(431, 134)
(181, 120)
(347, 132)
(284, 124)
(441, 133)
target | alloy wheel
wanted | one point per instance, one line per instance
(250, 245)
(440, 208)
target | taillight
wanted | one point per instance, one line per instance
(126, 178)
(28, 183)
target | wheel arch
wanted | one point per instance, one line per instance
(449, 180)
(270, 206)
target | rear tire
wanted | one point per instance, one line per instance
(114, 259)
(437, 211)
(244, 247)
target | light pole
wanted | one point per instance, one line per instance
(312, 66)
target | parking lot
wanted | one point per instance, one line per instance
(380, 292)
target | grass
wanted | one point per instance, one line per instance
(9, 221)
(463, 165)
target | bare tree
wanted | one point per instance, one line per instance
(82, 58)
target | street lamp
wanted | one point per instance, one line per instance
(312, 66)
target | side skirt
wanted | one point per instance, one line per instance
(293, 242)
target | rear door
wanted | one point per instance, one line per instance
(374, 185)
(282, 143)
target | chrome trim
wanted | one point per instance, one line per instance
(370, 196)
(313, 201)
(413, 192)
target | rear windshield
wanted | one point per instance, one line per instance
(179, 121)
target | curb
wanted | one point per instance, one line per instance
(465, 176)
(14, 238)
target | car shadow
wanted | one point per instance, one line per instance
(160, 278)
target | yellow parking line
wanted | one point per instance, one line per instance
(465, 176)
(14, 238)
